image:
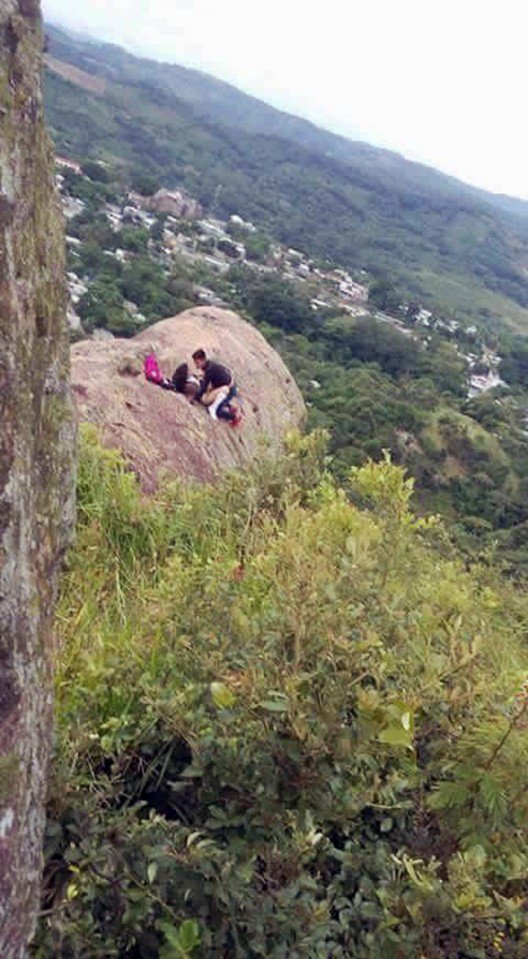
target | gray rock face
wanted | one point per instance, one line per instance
(36, 456)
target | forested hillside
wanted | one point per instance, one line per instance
(359, 206)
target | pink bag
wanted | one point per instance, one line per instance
(152, 370)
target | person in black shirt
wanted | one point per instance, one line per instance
(217, 388)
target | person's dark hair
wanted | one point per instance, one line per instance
(199, 355)
(179, 377)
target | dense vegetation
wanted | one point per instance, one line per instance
(361, 207)
(373, 388)
(290, 724)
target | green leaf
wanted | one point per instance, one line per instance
(170, 932)
(274, 705)
(477, 855)
(152, 871)
(492, 794)
(449, 795)
(396, 736)
(222, 697)
(189, 935)
(370, 910)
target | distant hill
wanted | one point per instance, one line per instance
(510, 204)
(456, 248)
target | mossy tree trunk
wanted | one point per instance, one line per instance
(36, 456)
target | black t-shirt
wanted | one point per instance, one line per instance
(215, 375)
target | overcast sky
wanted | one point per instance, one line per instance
(441, 81)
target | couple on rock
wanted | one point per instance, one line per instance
(212, 386)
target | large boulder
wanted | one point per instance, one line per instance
(160, 432)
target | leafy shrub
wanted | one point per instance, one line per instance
(287, 726)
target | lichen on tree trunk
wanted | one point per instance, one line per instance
(36, 456)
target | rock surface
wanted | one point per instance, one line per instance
(160, 432)
(36, 455)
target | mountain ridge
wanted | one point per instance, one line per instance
(341, 142)
(359, 205)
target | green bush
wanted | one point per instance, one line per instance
(287, 725)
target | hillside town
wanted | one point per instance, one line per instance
(177, 229)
